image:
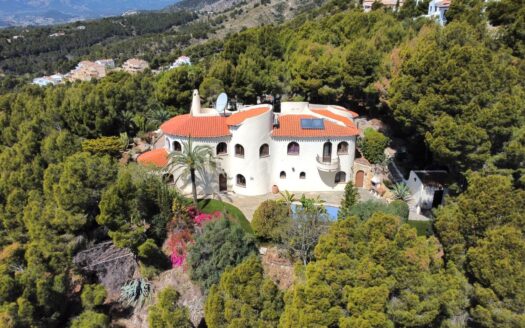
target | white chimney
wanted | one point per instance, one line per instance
(196, 103)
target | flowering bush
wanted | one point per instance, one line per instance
(180, 238)
(178, 243)
(204, 217)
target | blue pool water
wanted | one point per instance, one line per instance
(330, 210)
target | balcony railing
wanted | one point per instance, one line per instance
(327, 164)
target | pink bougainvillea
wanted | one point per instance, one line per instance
(178, 240)
(204, 217)
(178, 243)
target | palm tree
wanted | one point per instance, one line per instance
(288, 198)
(401, 192)
(191, 159)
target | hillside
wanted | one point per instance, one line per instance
(158, 37)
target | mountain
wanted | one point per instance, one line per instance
(43, 12)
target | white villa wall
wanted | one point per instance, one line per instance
(252, 134)
(422, 195)
(306, 161)
(262, 173)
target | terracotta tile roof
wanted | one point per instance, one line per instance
(157, 157)
(329, 114)
(239, 117)
(354, 114)
(196, 126)
(290, 126)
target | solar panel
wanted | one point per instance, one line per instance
(312, 123)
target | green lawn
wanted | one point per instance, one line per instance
(422, 227)
(211, 205)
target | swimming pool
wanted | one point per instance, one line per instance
(331, 210)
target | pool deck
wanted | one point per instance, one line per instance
(248, 204)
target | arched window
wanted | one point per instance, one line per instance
(241, 180)
(340, 177)
(302, 175)
(222, 148)
(177, 146)
(293, 148)
(264, 151)
(283, 175)
(342, 148)
(239, 150)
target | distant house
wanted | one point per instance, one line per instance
(43, 81)
(49, 80)
(181, 61)
(87, 71)
(108, 63)
(391, 4)
(55, 35)
(437, 10)
(135, 65)
(428, 188)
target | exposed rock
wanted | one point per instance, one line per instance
(191, 297)
(112, 266)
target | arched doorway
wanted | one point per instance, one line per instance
(327, 152)
(359, 178)
(223, 182)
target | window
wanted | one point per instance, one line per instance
(222, 148)
(302, 175)
(177, 146)
(342, 148)
(293, 148)
(340, 177)
(264, 151)
(239, 150)
(283, 175)
(241, 180)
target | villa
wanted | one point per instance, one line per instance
(437, 10)
(259, 148)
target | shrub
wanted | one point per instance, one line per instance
(166, 312)
(269, 219)
(350, 198)
(151, 254)
(254, 309)
(366, 209)
(373, 145)
(104, 145)
(93, 296)
(401, 192)
(221, 244)
(90, 319)
(400, 208)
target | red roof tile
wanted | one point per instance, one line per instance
(239, 117)
(290, 126)
(354, 114)
(196, 126)
(156, 157)
(329, 114)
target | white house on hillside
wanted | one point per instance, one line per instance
(305, 147)
(428, 188)
(437, 10)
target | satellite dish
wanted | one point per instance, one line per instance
(221, 103)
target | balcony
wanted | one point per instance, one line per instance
(327, 164)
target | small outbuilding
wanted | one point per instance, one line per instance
(428, 188)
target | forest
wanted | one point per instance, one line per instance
(34, 51)
(454, 93)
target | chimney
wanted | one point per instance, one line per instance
(196, 103)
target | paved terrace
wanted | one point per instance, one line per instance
(248, 204)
